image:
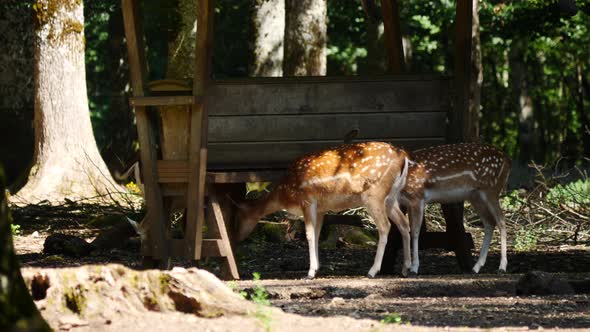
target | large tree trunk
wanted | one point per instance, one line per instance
(269, 31)
(305, 38)
(67, 164)
(476, 79)
(16, 89)
(17, 310)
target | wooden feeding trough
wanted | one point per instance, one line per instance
(214, 134)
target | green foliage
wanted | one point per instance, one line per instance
(553, 50)
(572, 194)
(392, 318)
(260, 295)
(15, 229)
(511, 201)
(526, 238)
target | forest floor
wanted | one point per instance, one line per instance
(343, 299)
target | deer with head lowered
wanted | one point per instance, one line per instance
(370, 174)
(455, 173)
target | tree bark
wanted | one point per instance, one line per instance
(17, 309)
(376, 57)
(305, 38)
(476, 76)
(181, 49)
(520, 100)
(66, 161)
(269, 31)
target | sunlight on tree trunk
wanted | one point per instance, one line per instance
(17, 309)
(269, 31)
(305, 38)
(67, 164)
(376, 55)
(476, 79)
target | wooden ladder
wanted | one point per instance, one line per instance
(181, 179)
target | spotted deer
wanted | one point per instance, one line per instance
(352, 175)
(455, 173)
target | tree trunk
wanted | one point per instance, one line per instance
(269, 31)
(476, 79)
(66, 161)
(520, 100)
(376, 57)
(16, 90)
(305, 38)
(181, 50)
(17, 310)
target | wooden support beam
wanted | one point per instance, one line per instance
(199, 130)
(459, 129)
(393, 36)
(162, 101)
(156, 244)
(230, 261)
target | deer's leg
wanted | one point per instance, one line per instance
(498, 215)
(319, 221)
(416, 216)
(310, 215)
(377, 212)
(399, 219)
(482, 209)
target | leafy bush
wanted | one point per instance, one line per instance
(526, 239)
(573, 194)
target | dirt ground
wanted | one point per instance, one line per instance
(343, 299)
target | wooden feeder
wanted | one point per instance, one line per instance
(217, 134)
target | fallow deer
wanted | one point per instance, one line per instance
(351, 175)
(455, 173)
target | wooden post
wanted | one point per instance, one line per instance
(156, 244)
(393, 36)
(199, 130)
(459, 131)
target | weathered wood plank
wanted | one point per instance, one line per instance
(222, 230)
(271, 155)
(135, 46)
(244, 176)
(161, 100)
(317, 97)
(199, 131)
(371, 126)
(156, 244)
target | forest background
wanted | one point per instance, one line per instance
(535, 66)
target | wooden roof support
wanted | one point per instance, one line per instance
(393, 36)
(460, 117)
(160, 248)
(199, 129)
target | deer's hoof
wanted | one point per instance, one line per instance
(501, 271)
(413, 273)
